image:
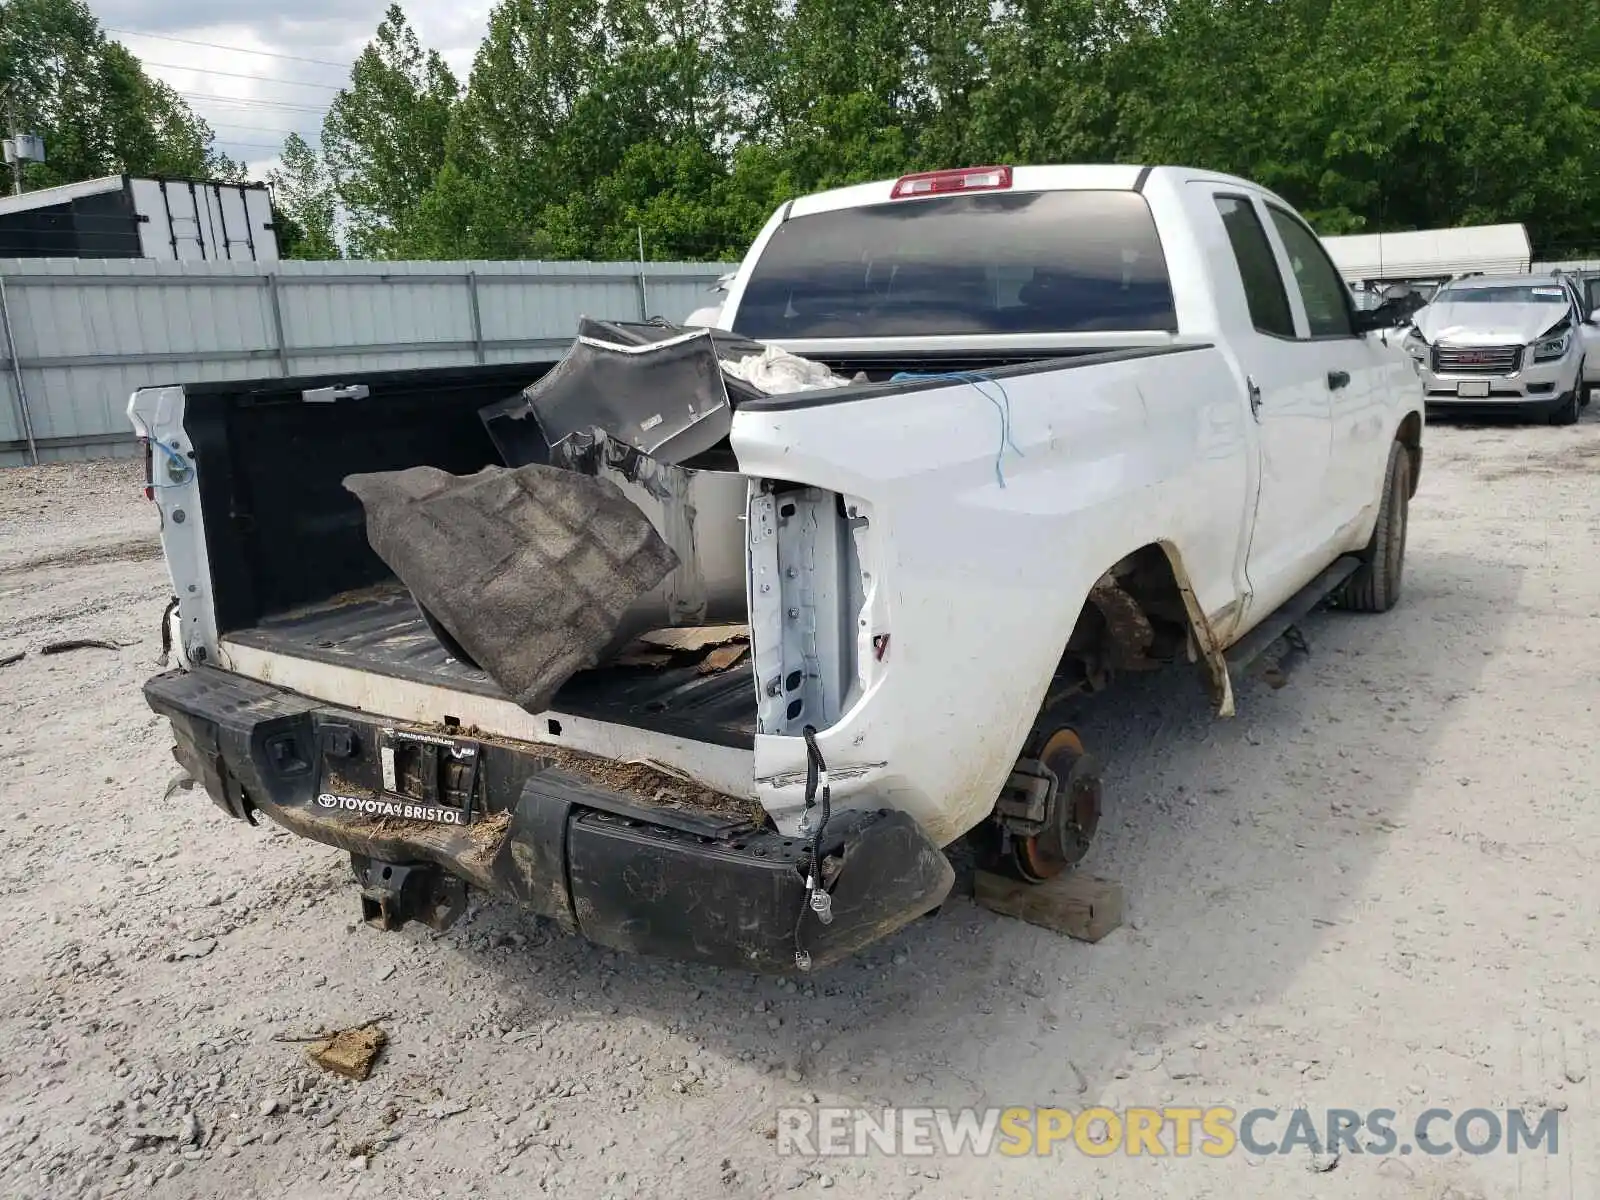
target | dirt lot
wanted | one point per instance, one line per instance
(1374, 888)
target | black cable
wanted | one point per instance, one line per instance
(331, 87)
(816, 771)
(164, 37)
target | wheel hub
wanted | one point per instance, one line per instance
(1072, 813)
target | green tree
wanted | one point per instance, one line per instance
(1060, 72)
(1411, 114)
(384, 136)
(501, 152)
(585, 122)
(91, 101)
(302, 198)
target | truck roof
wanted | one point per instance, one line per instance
(1043, 178)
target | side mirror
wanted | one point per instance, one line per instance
(1391, 314)
(1594, 317)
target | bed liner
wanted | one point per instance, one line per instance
(380, 631)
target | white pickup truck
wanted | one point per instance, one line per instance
(1101, 419)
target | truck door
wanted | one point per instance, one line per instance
(1587, 294)
(1364, 377)
(1286, 378)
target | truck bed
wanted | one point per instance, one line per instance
(378, 630)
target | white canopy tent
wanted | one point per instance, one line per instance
(1432, 253)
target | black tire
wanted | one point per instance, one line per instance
(1565, 411)
(1375, 587)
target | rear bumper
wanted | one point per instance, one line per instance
(599, 863)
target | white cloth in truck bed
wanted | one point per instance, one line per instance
(775, 371)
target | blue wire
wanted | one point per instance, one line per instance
(1002, 406)
(177, 458)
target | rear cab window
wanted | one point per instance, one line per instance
(989, 263)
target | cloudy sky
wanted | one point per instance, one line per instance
(244, 66)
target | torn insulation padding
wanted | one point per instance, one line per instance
(531, 570)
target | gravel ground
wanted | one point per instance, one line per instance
(1371, 889)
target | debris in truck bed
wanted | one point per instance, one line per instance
(667, 390)
(723, 657)
(700, 637)
(654, 786)
(698, 513)
(643, 657)
(350, 1052)
(712, 647)
(667, 398)
(776, 371)
(530, 569)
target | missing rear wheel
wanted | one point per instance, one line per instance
(1036, 851)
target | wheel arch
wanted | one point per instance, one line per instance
(1141, 613)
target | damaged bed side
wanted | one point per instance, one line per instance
(614, 515)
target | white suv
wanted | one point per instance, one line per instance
(1504, 342)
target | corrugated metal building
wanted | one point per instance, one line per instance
(77, 336)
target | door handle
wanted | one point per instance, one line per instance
(1337, 380)
(1254, 391)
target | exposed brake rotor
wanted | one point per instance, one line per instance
(1038, 851)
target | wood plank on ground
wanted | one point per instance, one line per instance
(1081, 906)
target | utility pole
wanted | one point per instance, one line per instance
(20, 148)
(10, 143)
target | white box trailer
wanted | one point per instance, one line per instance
(123, 216)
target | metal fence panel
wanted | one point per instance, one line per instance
(87, 332)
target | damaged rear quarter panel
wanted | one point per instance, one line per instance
(984, 558)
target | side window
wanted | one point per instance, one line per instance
(1322, 288)
(1263, 285)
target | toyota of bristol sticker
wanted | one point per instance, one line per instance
(369, 807)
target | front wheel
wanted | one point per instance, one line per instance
(1566, 410)
(1375, 586)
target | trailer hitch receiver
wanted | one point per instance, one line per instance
(394, 893)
